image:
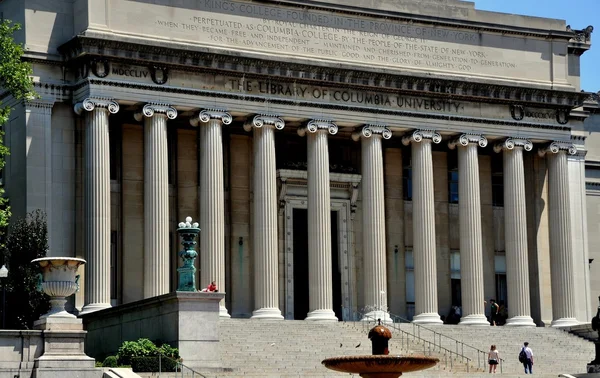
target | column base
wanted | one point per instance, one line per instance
(474, 320)
(520, 321)
(373, 316)
(223, 314)
(267, 314)
(92, 307)
(564, 322)
(321, 316)
(427, 318)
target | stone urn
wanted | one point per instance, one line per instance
(58, 279)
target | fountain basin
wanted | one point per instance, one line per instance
(379, 366)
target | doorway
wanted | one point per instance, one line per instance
(300, 264)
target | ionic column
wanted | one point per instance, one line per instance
(156, 198)
(469, 215)
(97, 202)
(515, 231)
(266, 277)
(424, 249)
(374, 220)
(561, 260)
(320, 294)
(212, 202)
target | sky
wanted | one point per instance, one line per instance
(577, 13)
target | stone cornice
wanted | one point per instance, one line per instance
(151, 108)
(478, 26)
(511, 143)
(260, 120)
(316, 125)
(465, 139)
(557, 146)
(91, 103)
(418, 136)
(207, 114)
(368, 130)
(83, 51)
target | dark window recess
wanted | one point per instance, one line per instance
(453, 186)
(171, 153)
(497, 162)
(114, 140)
(406, 174)
(114, 264)
(497, 189)
(452, 159)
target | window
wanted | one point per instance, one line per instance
(452, 159)
(497, 189)
(500, 268)
(406, 174)
(455, 278)
(114, 263)
(453, 186)
(497, 180)
(410, 282)
(114, 142)
(171, 154)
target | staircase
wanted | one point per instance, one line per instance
(289, 348)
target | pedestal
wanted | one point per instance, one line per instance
(64, 340)
(186, 320)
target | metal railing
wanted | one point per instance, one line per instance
(181, 370)
(458, 353)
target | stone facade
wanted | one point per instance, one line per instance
(315, 225)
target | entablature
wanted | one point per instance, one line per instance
(95, 57)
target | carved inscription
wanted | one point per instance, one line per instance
(279, 30)
(340, 95)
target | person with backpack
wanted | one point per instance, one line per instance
(526, 357)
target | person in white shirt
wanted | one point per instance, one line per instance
(493, 358)
(528, 364)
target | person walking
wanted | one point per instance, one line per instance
(494, 309)
(528, 360)
(493, 358)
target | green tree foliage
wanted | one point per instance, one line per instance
(15, 82)
(27, 240)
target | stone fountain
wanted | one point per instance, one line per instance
(380, 364)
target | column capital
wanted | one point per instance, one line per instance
(91, 103)
(465, 139)
(155, 107)
(511, 143)
(318, 124)
(206, 115)
(557, 146)
(260, 120)
(419, 135)
(368, 130)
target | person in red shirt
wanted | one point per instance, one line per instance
(212, 288)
